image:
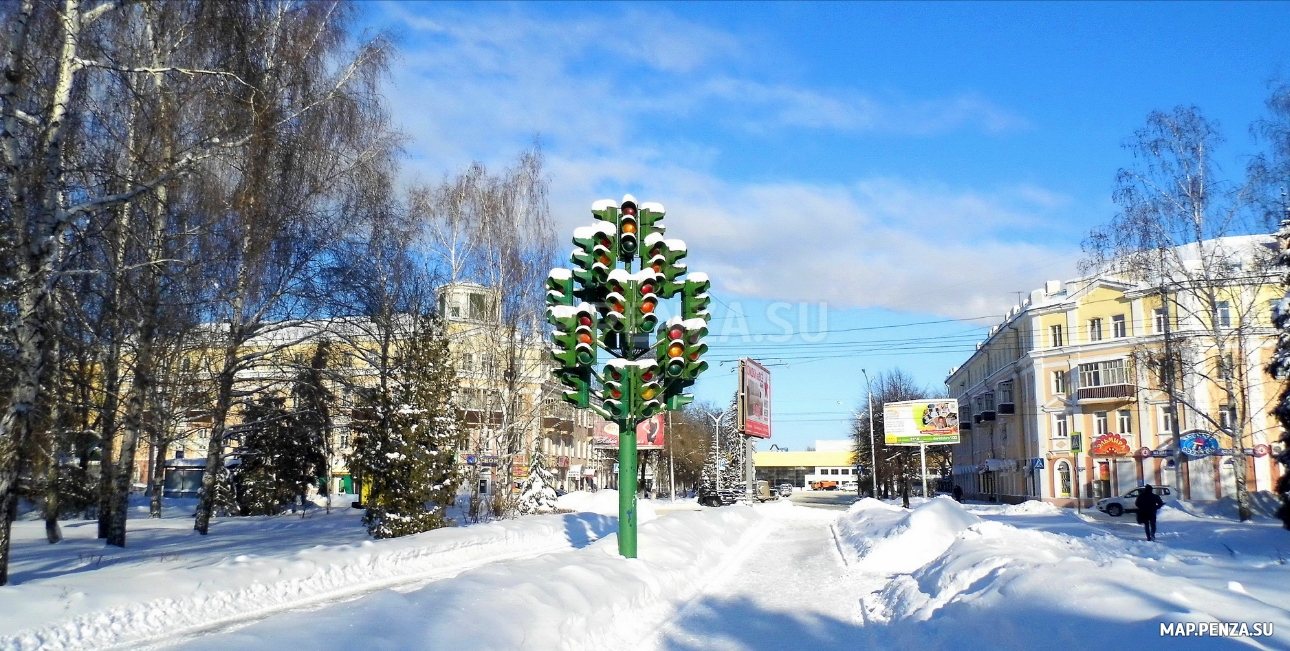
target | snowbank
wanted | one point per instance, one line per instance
(1032, 507)
(153, 594)
(584, 599)
(1018, 588)
(888, 539)
(604, 502)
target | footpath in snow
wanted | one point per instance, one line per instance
(773, 576)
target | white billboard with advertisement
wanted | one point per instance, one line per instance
(754, 399)
(921, 422)
(649, 434)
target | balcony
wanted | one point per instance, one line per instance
(1007, 408)
(1106, 392)
(987, 415)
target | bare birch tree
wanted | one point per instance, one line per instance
(1173, 233)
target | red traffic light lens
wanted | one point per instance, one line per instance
(629, 209)
(647, 376)
(647, 289)
(585, 320)
(675, 333)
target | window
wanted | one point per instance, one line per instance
(179, 453)
(846, 471)
(1099, 423)
(1162, 319)
(1064, 478)
(1060, 382)
(1005, 391)
(1223, 314)
(468, 361)
(1227, 417)
(1055, 335)
(1098, 374)
(344, 438)
(477, 306)
(1168, 420)
(1095, 330)
(1226, 366)
(1060, 427)
(834, 471)
(1118, 328)
(1124, 421)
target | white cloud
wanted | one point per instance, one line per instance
(481, 85)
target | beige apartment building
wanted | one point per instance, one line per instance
(1065, 398)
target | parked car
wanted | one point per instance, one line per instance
(785, 490)
(1117, 506)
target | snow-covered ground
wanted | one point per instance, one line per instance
(773, 576)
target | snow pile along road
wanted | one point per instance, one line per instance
(585, 599)
(1016, 587)
(887, 539)
(125, 605)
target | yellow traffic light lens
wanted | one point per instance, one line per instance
(619, 308)
(675, 350)
(648, 393)
(629, 227)
(658, 268)
(584, 338)
(647, 307)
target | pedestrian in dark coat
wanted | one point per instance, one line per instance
(1147, 503)
(958, 493)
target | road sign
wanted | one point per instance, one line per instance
(1077, 442)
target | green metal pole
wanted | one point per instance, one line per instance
(627, 488)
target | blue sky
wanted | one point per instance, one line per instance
(909, 166)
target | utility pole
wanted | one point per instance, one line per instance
(873, 450)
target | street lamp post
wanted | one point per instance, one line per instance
(716, 448)
(873, 450)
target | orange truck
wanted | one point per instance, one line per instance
(825, 485)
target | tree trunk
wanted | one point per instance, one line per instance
(158, 479)
(53, 533)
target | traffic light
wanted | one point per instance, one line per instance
(578, 382)
(651, 383)
(671, 352)
(592, 258)
(663, 256)
(647, 305)
(617, 389)
(694, 297)
(559, 287)
(585, 334)
(616, 301)
(628, 229)
(695, 331)
(564, 340)
(651, 219)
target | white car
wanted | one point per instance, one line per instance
(1116, 506)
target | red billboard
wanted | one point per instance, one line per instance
(754, 399)
(649, 434)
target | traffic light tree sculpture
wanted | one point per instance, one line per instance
(608, 301)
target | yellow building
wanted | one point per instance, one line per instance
(829, 461)
(1065, 398)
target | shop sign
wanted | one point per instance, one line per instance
(1199, 443)
(1109, 445)
(562, 462)
(1261, 450)
(1147, 453)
